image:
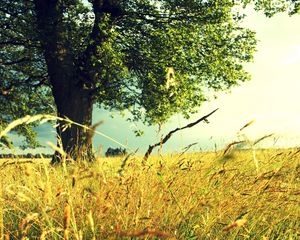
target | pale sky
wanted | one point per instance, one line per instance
(271, 98)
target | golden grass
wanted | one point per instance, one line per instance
(193, 196)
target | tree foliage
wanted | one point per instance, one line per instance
(122, 51)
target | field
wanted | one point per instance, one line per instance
(242, 195)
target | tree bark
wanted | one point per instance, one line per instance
(76, 141)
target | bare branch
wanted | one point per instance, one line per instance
(169, 135)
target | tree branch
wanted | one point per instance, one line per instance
(169, 135)
(101, 9)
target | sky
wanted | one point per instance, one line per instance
(271, 99)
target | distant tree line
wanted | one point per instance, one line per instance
(27, 155)
(111, 152)
(114, 152)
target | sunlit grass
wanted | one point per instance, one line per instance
(193, 196)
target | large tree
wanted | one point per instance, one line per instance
(65, 56)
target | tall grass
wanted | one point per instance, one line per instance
(185, 196)
(192, 196)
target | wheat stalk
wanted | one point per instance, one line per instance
(92, 224)
(1, 214)
(67, 217)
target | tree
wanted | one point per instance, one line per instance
(114, 152)
(153, 58)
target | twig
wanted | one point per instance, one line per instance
(187, 148)
(262, 138)
(228, 147)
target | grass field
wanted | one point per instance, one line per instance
(192, 196)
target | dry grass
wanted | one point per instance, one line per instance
(193, 196)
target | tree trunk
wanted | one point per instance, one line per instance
(75, 140)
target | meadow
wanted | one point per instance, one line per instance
(187, 196)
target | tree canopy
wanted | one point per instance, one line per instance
(153, 58)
